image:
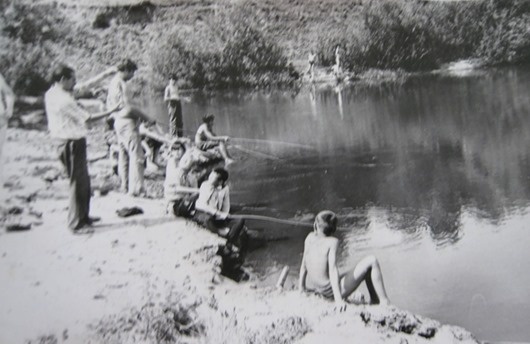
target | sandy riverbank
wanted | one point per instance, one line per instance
(149, 278)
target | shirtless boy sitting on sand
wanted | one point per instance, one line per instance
(319, 273)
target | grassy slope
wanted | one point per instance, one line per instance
(295, 25)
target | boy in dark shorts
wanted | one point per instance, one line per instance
(206, 140)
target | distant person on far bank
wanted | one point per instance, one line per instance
(319, 273)
(67, 123)
(174, 106)
(7, 102)
(337, 66)
(126, 122)
(206, 140)
(311, 61)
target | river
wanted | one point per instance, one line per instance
(430, 174)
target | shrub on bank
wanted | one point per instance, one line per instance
(26, 67)
(242, 56)
(418, 35)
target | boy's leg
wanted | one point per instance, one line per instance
(136, 165)
(123, 167)
(368, 270)
(224, 152)
(236, 231)
(178, 120)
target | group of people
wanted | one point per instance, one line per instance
(193, 186)
(336, 68)
(67, 123)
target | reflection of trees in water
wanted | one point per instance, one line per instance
(471, 134)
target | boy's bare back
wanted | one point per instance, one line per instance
(316, 257)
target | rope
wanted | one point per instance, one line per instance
(255, 153)
(270, 219)
(298, 145)
(273, 219)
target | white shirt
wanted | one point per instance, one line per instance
(213, 198)
(66, 118)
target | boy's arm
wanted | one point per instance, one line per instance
(210, 136)
(225, 206)
(155, 136)
(166, 94)
(96, 116)
(81, 87)
(334, 275)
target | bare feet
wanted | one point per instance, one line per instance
(223, 232)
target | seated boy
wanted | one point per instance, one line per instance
(319, 273)
(177, 187)
(212, 210)
(152, 140)
(206, 140)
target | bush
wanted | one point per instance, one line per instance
(31, 23)
(28, 75)
(505, 37)
(416, 35)
(102, 21)
(236, 54)
(169, 56)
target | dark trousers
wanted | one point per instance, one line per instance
(174, 109)
(236, 236)
(73, 157)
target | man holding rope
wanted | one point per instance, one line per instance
(67, 124)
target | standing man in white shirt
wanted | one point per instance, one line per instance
(126, 122)
(67, 123)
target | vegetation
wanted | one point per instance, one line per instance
(237, 54)
(415, 36)
(218, 44)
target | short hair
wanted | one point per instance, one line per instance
(173, 76)
(61, 71)
(326, 220)
(127, 65)
(208, 118)
(223, 174)
(177, 145)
